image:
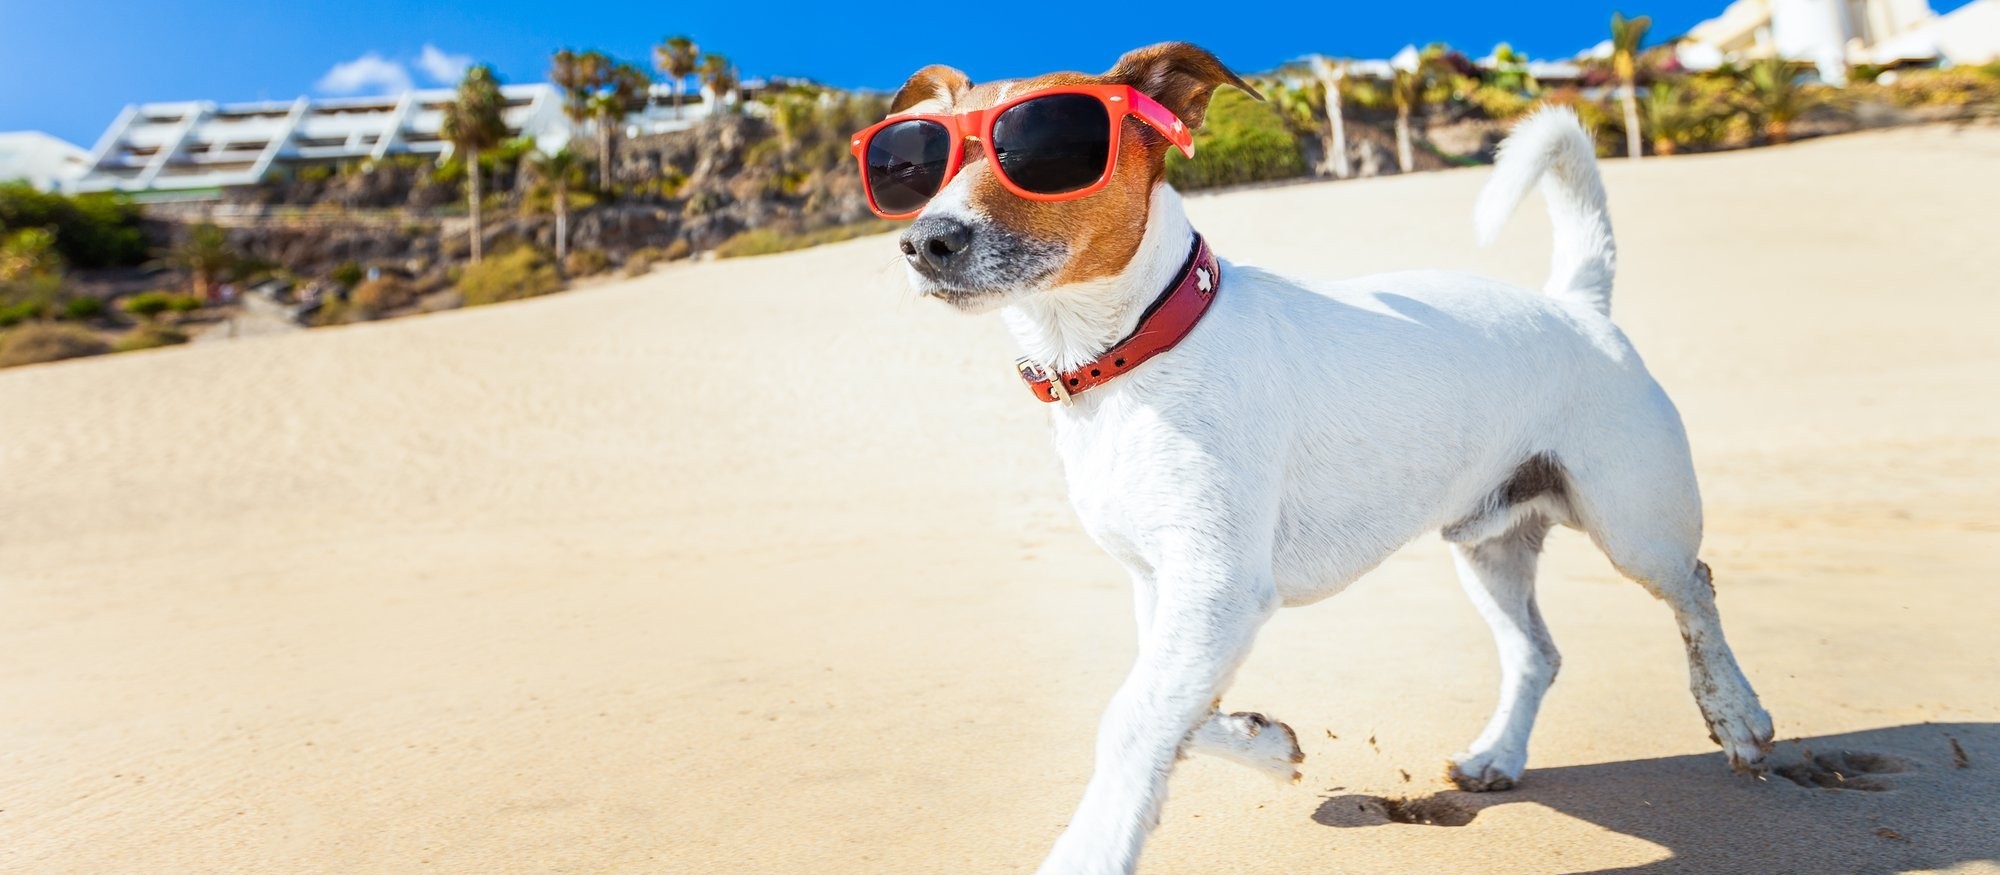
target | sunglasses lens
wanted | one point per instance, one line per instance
(1053, 144)
(905, 165)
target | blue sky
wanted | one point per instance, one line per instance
(68, 66)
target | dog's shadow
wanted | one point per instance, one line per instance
(1924, 796)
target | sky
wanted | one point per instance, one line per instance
(68, 67)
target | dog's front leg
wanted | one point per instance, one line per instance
(1202, 626)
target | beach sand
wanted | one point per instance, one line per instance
(762, 566)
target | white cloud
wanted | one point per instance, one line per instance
(441, 66)
(369, 73)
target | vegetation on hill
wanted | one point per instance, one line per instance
(380, 238)
(91, 230)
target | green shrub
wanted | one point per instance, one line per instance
(348, 274)
(1500, 103)
(149, 336)
(333, 311)
(587, 262)
(29, 253)
(766, 241)
(183, 303)
(702, 203)
(47, 342)
(1957, 87)
(643, 261)
(1243, 140)
(149, 305)
(314, 173)
(83, 308)
(91, 230)
(523, 272)
(17, 312)
(377, 297)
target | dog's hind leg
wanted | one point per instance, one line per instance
(1644, 511)
(1499, 576)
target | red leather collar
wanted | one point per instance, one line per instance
(1164, 324)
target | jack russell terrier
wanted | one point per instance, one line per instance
(1243, 442)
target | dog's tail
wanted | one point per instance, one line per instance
(1551, 146)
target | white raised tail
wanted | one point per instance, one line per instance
(1552, 146)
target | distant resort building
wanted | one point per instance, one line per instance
(1835, 34)
(196, 145)
(45, 162)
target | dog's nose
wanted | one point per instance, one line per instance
(930, 243)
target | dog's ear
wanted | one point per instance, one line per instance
(1180, 76)
(936, 84)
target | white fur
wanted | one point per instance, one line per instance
(1303, 433)
(1552, 146)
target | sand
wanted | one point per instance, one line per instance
(761, 566)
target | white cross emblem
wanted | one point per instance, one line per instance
(1202, 280)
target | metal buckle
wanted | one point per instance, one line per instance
(1031, 371)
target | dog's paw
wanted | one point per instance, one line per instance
(1744, 732)
(1254, 740)
(1488, 771)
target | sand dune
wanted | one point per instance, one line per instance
(760, 566)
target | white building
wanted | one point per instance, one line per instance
(45, 162)
(199, 144)
(204, 145)
(1831, 34)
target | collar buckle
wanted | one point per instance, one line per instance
(1032, 373)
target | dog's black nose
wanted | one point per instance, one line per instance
(930, 243)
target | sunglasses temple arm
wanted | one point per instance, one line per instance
(1163, 120)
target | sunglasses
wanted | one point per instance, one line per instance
(1052, 144)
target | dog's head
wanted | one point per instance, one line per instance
(976, 244)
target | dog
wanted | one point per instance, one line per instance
(1242, 442)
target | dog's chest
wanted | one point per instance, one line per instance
(1126, 479)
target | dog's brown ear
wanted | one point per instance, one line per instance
(936, 82)
(1180, 76)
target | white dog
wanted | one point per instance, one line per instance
(1297, 435)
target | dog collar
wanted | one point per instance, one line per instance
(1163, 325)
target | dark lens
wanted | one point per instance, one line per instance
(905, 164)
(1053, 144)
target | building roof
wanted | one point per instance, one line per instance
(1970, 34)
(44, 161)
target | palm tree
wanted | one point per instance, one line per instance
(577, 74)
(1777, 97)
(1408, 91)
(473, 124)
(621, 92)
(676, 57)
(205, 254)
(1420, 78)
(559, 168)
(1333, 79)
(718, 76)
(601, 91)
(1626, 35)
(1678, 120)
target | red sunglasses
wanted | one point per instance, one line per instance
(1051, 144)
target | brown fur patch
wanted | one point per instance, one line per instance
(935, 82)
